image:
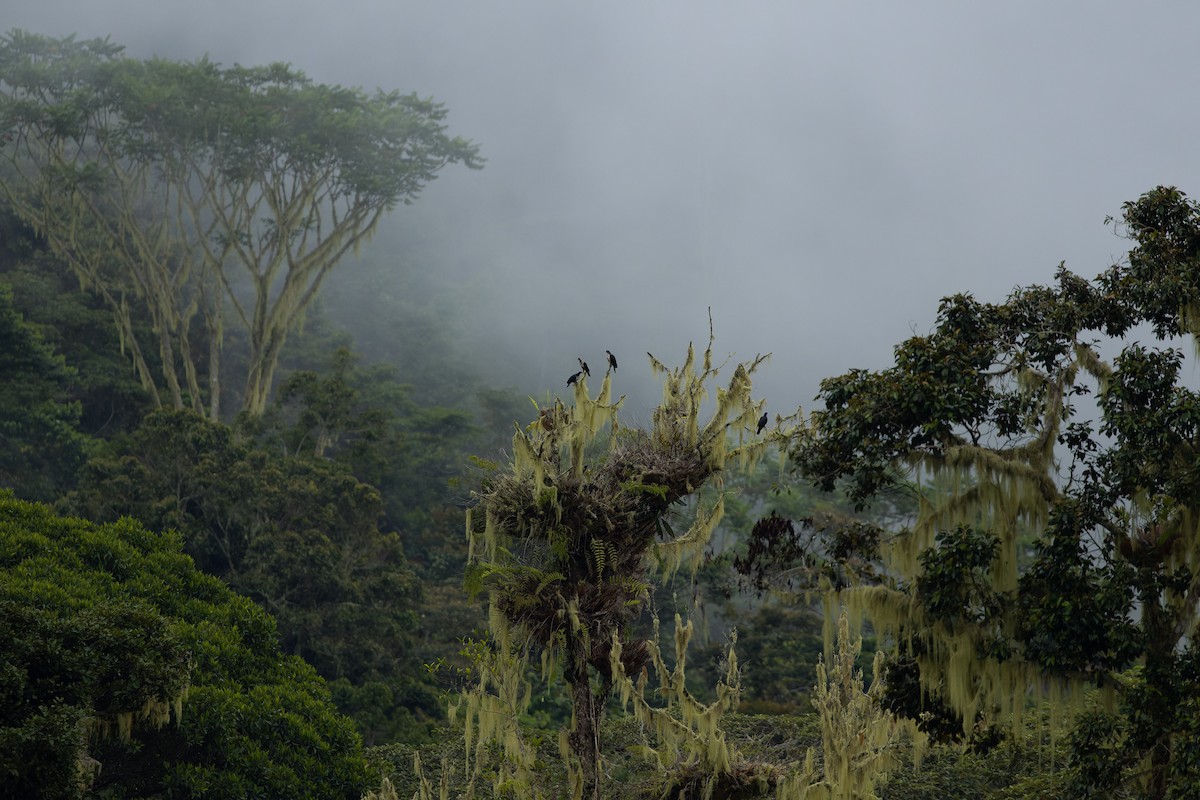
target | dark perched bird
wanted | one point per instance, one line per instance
(574, 378)
(762, 422)
(612, 360)
(583, 367)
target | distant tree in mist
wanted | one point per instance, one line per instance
(196, 194)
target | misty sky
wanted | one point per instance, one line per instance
(817, 173)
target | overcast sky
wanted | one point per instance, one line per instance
(817, 173)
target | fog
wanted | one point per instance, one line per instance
(819, 174)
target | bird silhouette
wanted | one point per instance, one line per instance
(762, 422)
(583, 367)
(612, 360)
(574, 378)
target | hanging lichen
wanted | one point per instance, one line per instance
(565, 541)
(1051, 548)
(155, 712)
(491, 713)
(1054, 545)
(857, 735)
(388, 792)
(1001, 490)
(691, 751)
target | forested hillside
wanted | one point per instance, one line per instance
(243, 554)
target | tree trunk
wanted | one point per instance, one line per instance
(129, 339)
(588, 707)
(214, 379)
(1161, 687)
(263, 360)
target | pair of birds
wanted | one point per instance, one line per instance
(612, 364)
(583, 368)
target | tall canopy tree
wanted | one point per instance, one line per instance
(203, 192)
(1028, 431)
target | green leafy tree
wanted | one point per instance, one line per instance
(327, 411)
(1026, 427)
(41, 449)
(78, 327)
(202, 192)
(565, 541)
(126, 672)
(299, 536)
(365, 418)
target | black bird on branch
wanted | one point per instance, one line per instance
(583, 367)
(612, 360)
(574, 378)
(762, 422)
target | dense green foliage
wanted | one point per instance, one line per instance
(365, 418)
(376, 432)
(299, 535)
(118, 651)
(77, 326)
(997, 402)
(40, 447)
(356, 626)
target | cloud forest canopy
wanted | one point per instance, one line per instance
(990, 415)
(173, 185)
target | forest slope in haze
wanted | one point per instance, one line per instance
(242, 554)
